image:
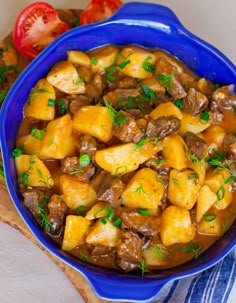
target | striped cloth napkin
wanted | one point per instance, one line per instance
(214, 285)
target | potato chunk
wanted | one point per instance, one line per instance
(156, 254)
(75, 231)
(174, 151)
(214, 137)
(103, 234)
(144, 190)
(176, 226)
(30, 144)
(58, 141)
(38, 106)
(65, 77)
(223, 190)
(97, 211)
(75, 192)
(153, 84)
(213, 227)
(79, 58)
(166, 109)
(33, 172)
(138, 58)
(124, 158)
(205, 201)
(105, 57)
(94, 121)
(184, 187)
(193, 124)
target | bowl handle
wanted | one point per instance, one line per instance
(148, 12)
(141, 290)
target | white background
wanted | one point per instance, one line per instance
(26, 273)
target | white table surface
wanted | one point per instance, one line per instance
(26, 273)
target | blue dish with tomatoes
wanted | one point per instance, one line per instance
(150, 26)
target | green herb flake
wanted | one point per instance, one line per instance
(94, 61)
(161, 251)
(176, 182)
(158, 161)
(17, 152)
(37, 133)
(123, 64)
(3, 95)
(178, 103)
(117, 222)
(220, 193)
(143, 141)
(142, 267)
(143, 211)
(149, 93)
(81, 210)
(166, 80)
(61, 107)
(51, 102)
(84, 160)
(109, 71)
(194, 176)
(5, 47)
(75, 22)
(104, 221)
(44, 219)
(39, 91)
(147, 66)
(76, 171)
(204, 117)
(209, 217)
(140, 190)
(2, 174)
(193, 249)
(114, 115)
(121, 170)
(84, 258)
(3, 72)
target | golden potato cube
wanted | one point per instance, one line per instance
(78, 57)
(155, 258)
(105, 57)
(65, 78)
(144, 190)
(216, 182)
(183, 188)
(58, 141)
(103, 234)
(32, 171)
(76, 193)
(166, 109)
(176, 226)
(38, 106)
(205, 201)
(138, 57)
(75, 232)
(213, 227)
(97, 211)
(214, 137)
(30, 144)
(124, 158)
(175, 151)
(193, 124)
(94, 121)
(153, 84)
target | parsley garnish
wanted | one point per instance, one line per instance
(4, 69)
(140, 190)
(143, 268)
(114, 115)
(166, 80)
(44, 219)
(147, 66)
(149, 93)
(144, 141)
(193, 249)
(160, 250)
(2, 174)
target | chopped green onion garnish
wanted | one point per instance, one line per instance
(17, 152)
(148, 92)
(75, 22)
(25, 177)
(230, 179)
(178, 103)
(104, 221)
(81, 210)
(51, 102)
(143, 211)
(37, 133)
(220, 193)
(84, 160)
(2, 174)
(120, 121)
(94, 61)
(44, 201)
(117, 222)
(209, 217)
(204, 117)
(5, 47)
(109, 71)
(147, 66)
(166, 80)
(61, 107)
(123, 64)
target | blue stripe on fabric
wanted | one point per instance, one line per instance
(190, 289)
(214, 282)
(232, 280)
(171, 291)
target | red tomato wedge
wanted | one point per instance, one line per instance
(98, 10)
(35, 27)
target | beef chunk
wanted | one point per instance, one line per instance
(57, 212)
(145, 225)
(88, 145)
(162, 127)
(108, 188)
(172, 83)
(196, 145)
(127, 131)
(119, 94)
(229, 148)
(195, 102)
(103, 256)
(223, 98)
(76, 102)
(129, 251)
(216, 117)
(32, 199)
(70, 165)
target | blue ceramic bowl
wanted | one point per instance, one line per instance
(148, 25)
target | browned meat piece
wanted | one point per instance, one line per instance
(129, 251)
(57, 212)
(229, 148)
(162, 126)
(127, 131)
(108, 188)
(216, 117)
(195, 102)
(126, 83)
(103, 256)
(136, 113)
(196, 145)
(145, 225)
(115, 97)
(88, 145)
(168, 77)
(76, 102)
(32, 199)
(223, 98)
(70, 165)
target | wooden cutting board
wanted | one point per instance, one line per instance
(8, 213)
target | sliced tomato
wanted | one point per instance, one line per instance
(98, 10)
(35, 27)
